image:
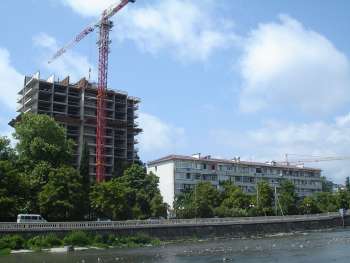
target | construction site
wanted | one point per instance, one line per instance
(92, 113)
(74, 106)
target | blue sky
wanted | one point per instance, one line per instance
(227, 78)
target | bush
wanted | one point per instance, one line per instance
(12, 242)
(141, 239)
(47, 241)
(52, 240)
(5, 252)
(36, 243)
(223, 211)
(132, 241)
(78, 238)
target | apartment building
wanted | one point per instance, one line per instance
(179, 173)
(73, 105)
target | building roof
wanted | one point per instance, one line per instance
(173, 157)
(82, 83)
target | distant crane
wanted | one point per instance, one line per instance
(296, 159)
(105, 25)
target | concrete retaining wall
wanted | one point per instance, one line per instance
(203, 228)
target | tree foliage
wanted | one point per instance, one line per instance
(288, 198)
(135, 195)
(347, 183)
(37, 177)
(84, 170)
(199, 202)
(234, 202)
(265, 199)
(6, 152)
(61, 196)
(12, 191)
(110, 199)
(40, 138)
(326, 202)
(309, 206)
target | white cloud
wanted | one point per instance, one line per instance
(69, 64)
(158, 137)
(274, 139)
(11, 80)
(89, 7)
(189, 29)
(286, 64)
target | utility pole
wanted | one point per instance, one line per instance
(277, 202)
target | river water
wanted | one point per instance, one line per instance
(325, 246)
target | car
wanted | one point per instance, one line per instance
(30, 218)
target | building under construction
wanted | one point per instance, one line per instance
(74, 106)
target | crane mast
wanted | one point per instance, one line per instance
(105, 25)
(103, 43)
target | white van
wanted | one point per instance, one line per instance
(30, 218)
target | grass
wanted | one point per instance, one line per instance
(5, 252)
(76, 238)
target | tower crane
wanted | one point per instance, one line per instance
(296, 159)
(105, 25)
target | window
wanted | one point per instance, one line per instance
(204, 166)
(213, 167)
(188, 176)
(258, 170)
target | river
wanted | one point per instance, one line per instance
(325, 246)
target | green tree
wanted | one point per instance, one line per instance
(200, 201)
(309, 206)
(234, 202)
(325, 201)
(119, 167)
(6, 152)
(61, 196)
(265, 198)
(343, 199)
(35, 179)
(145, 191)
(12, 191)
(327, 186)
(158, 207)
(44, 152)
(206, 198)
(347, 184)
(288, 198)
(12, 186)
(84, 170)
(184, 205)
(41, 138)
(139, 192)
(112, 199)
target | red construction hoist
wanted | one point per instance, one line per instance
(105, 25)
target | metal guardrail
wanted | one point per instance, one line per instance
(70, 226)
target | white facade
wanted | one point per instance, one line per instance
(180, 173)
(166, 180)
